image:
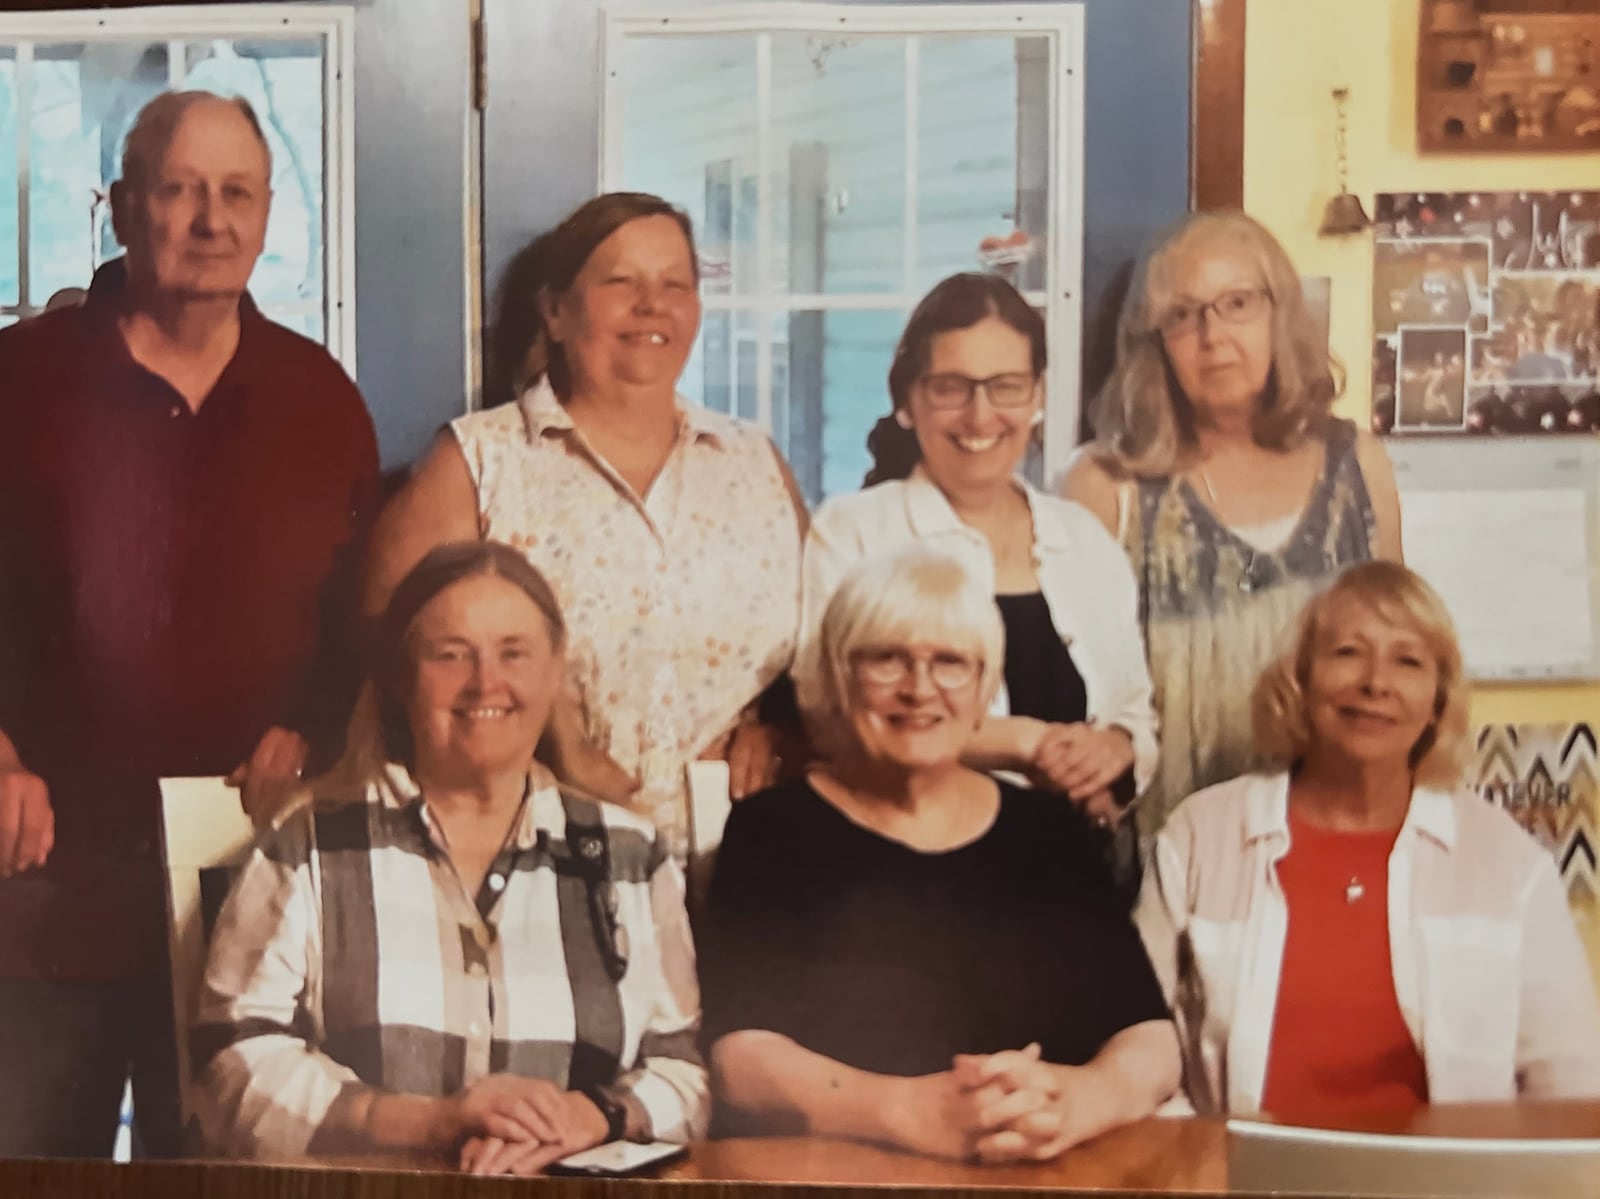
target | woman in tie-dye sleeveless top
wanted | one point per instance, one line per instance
(1236, 493)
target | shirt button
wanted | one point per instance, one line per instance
(475, 1029)
(497, 883)
(477, 970)
(176, 411)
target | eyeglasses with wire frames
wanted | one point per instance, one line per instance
(1236, 306)
(889, 666)
(948, 390)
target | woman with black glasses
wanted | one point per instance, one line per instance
(1073, 715)
(463, 958)
(903, 950)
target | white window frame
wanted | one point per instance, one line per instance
(1061, 298)
(333, 23)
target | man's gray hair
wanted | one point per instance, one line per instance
(153, 128)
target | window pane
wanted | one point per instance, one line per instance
(283, 82)
(839, 135)
(84, 98)
(982, 157)
(722, 370)
(707, 379)
(689, 135)
(835, 367)
(8, 176)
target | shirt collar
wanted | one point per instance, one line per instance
(107, 299)
(929, 511)
(545, 413)
(396, 789)
(1431, 813)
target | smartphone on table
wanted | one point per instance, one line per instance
(618, 1158)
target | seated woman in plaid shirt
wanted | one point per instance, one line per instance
(468, 960)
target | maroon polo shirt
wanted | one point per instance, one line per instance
(172, 583)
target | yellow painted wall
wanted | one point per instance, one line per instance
(1296, 52)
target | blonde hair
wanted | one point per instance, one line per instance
(912, 594)
(1278, 705)
(1144, 424)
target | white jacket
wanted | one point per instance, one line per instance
(1490, 975)
(1083, 573)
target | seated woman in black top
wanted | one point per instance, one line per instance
(902, 950)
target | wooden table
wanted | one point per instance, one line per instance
(1174, 1156)
(1163, 1155)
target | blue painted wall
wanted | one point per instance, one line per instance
(413, 64)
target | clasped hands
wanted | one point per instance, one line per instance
(1000, 1107)
(506, 1124)
(1082, 761)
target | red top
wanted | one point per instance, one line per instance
(169, 588)
(1339, 1044)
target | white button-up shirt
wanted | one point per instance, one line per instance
(1083, 573)
(1490, 975)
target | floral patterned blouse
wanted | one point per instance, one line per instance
(681, 604)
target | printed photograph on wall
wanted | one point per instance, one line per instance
(1431, 392)
(1544, 775)
(1486, 313)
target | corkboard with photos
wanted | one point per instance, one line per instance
(1486, 313)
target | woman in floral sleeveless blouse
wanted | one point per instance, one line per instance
(1235, 491)
(671, 534)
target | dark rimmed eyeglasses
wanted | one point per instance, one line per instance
(948, 391)
(1236, 306)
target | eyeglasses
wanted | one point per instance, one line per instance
(1237, 307)
(886, 667)
(948, 391)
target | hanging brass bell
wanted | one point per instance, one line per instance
(1344, 214)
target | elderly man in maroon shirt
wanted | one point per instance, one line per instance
(181, 482)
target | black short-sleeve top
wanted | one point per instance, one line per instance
(894, 960)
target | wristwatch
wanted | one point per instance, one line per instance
(612, 1108)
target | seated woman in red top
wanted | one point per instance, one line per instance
(900, 949)
(1356, 932)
